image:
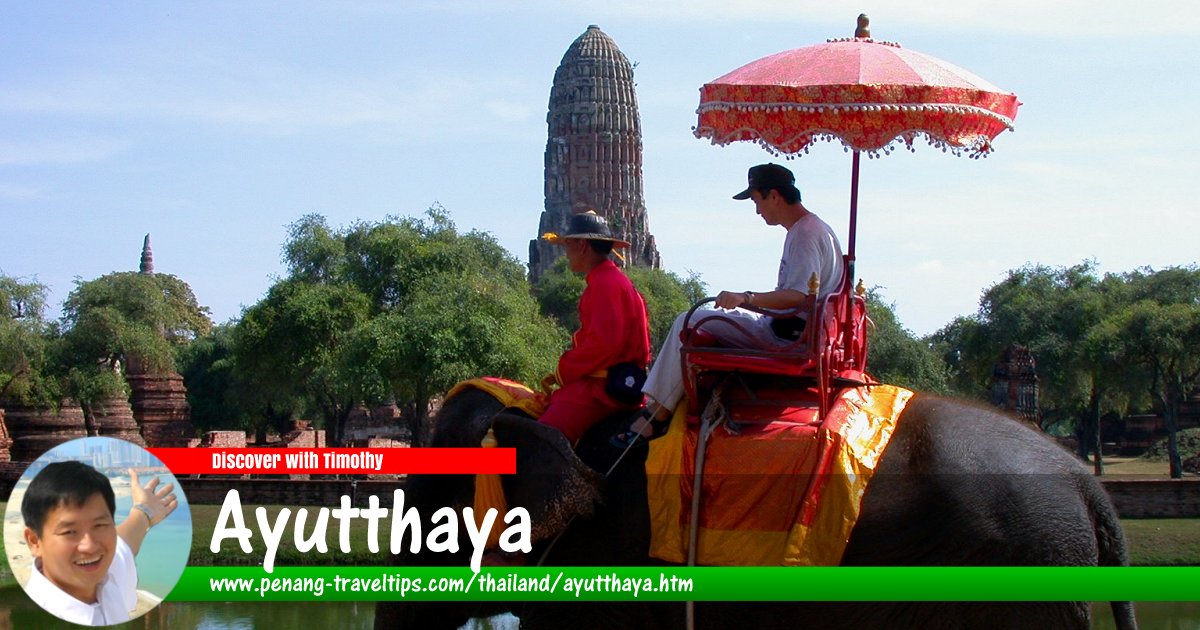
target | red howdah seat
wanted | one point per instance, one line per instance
(830, 353)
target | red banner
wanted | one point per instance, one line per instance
(337, 461)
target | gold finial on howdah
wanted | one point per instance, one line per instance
(814, 284)
(864, 27)
(860, 289)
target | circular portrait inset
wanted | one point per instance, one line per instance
(97, 531)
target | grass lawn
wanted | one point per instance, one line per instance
(1119, 467)
(6, 576)
(1134, 468)
(1163, 541)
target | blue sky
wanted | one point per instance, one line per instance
(213, 125)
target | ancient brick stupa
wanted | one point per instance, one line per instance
(159, 400)
(5, 441)
(35, 430)
(114, 419)
(1015, 382)
(594, 151)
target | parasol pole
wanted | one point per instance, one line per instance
(861, 31)
(848, 281)
(853, 209)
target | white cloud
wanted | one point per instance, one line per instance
(930, 266)
(1064, 18)
(75, 151)
(18, 193)
(271, 100)
(1060, 171)
(510, 111)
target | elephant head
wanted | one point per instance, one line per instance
(551, 483)
(557, 485)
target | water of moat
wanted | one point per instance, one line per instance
(16, 611)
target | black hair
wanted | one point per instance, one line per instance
(790, 194)
(601, 247)
(63, 483)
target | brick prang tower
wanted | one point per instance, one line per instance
(594, 151)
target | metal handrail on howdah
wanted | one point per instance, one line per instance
(808, 308)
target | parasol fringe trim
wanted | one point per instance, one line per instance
(820, 108)
(974, 146)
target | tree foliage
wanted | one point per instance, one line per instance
(957, 344)
(26, 340)
(558, 292)
(667, 295)
(394, 310)
(1047, 310)
(223, 395)
(119, 321)
(130, 316)
(896, 356)
(1159, 332)
(1102, 344)
(290, 342)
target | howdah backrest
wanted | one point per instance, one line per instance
(830, 354)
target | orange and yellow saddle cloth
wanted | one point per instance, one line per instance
(780, 487)
(511, 394)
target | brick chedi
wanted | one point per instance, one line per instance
(161, 409)
(35, 430)
(1015, 382)
(114, 419)
(5, 441)
(146, 265)
(594, 151)
(159, 401)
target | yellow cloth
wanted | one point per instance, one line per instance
(800, 516)
(509, 393)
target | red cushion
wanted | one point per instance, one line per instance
(791, 365)
(700, 339)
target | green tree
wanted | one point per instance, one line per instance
(130, 316)
(290, 342)
(558, 292)
(1160, 333)
(25, 344)
(457, 328)
(957, 344)
(1051, 311)
(124, 320)
(896, 356)
(222, 395)
(399, 309)
(667, 295)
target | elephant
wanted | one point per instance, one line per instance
(959, 484)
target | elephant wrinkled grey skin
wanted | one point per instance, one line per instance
(959, 484)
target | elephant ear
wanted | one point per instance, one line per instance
(551, 481)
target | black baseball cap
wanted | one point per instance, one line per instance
(766, 177)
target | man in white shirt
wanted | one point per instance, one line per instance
(84, 569)
(810, 247)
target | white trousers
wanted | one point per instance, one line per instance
(664, 383)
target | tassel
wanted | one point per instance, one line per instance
(489, 493)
